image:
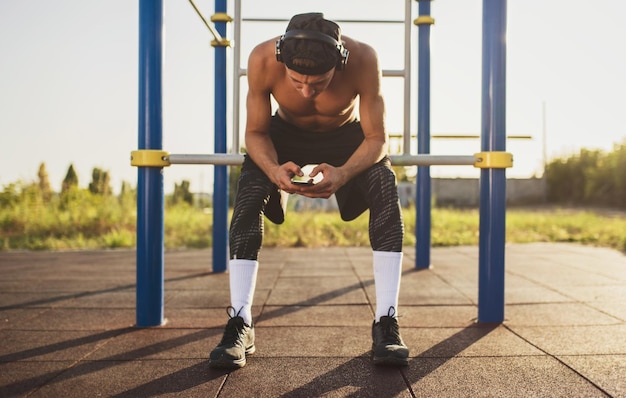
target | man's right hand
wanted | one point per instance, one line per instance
(281, 176)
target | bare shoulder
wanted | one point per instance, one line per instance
(360, 53)
(262, 51)
(262, 65)
(363, 68)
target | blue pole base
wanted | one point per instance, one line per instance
(150, 248)
(423, 218)
(220, 219)
(491, 246)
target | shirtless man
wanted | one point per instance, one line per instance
(307, 72)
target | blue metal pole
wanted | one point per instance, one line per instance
(423, 191)
(220, 182)
(493, 181)
(150, 198)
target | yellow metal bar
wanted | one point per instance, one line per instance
(149, 158)
(493, 160)
(424, 20)
(223, 42)
(221, 17)
(220, 41)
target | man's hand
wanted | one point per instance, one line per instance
(281, 176)
(332, 181)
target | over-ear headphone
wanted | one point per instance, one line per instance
(313, 35)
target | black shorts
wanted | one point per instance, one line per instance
(305, 147)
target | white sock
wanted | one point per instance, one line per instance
(242, 274)
(387, 272)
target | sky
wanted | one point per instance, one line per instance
(69, 80)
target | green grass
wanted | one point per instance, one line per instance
(92, 222)
(585, 227)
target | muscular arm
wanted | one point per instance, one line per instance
(258, 109)
(372, 115)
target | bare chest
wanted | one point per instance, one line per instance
(326, 111)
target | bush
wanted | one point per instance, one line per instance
(591, 178)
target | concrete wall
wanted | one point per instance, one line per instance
(465, 192)
(458, 192)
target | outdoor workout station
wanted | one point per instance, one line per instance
(151, 158)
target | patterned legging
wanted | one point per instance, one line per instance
(377, 185)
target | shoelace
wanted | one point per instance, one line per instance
(391, 331)
(390, 328)
(234, 327)
(232, 311)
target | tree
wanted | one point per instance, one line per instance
(591, 177)
(127, 194)
(70, 181)
(182, 194)
(10, 196)
(44, 182)
(100, 182)
(127, 190)
(618, 165)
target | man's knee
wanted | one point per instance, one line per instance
(382, 181)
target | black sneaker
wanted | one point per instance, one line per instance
(237, 342)
(388, 349)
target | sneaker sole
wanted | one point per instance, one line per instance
(226, 363)
(390, 361)
(223, 363)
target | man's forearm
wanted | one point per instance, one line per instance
(262, 151)
(369, 153)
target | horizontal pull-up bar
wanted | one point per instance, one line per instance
(475, 136)
(367, 21)
(463, 136)
(483, 160)
(385, 72)
(219, 159)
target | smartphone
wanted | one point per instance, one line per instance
(306, 179)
